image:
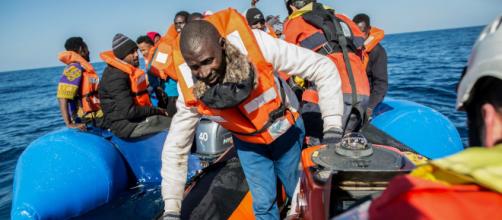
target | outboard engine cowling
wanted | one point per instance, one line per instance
(211, 140)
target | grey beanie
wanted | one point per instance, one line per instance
(122, 46)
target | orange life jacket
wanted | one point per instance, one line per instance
(90, 81)
(251, 120)
(375, 36)
(299, 32)
(409, 197)
(137, 78)
(160, 58)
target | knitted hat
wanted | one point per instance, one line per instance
(254, 15)
(122, 46)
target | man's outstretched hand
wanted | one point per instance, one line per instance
(79, 126)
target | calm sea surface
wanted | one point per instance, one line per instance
(423, 67)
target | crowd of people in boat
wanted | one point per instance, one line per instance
(271, 83)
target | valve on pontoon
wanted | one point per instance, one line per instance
(356, 169)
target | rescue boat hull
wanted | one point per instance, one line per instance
(67, 173)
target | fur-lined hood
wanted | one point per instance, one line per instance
(237, 70)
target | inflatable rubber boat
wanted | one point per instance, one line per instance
(67, 173)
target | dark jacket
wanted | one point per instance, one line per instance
(377, 75)
(121, 115)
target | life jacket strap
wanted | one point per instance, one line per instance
(140, 93)
(92, 93)
(314, 41)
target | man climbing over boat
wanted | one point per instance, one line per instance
(467, 185)
(374, 61)
(128, 111)
(226, 73)
(78, 87)
(314, 26)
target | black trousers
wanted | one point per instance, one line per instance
(150, 125)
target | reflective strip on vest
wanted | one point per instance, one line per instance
(261, 100)
(215, 118)
(279, 127)
(187, 74)
(94, 99)
(161, 57)
(236, 40)
(141, 79)
(368, 41)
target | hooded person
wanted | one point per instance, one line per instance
(154, 36)
(126, 104)
(226, 72)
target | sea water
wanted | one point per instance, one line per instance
(424, 67)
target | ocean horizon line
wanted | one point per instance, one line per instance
(100, 62)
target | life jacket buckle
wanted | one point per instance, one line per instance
(326, 49)
(278, 113)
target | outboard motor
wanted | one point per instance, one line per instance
(344, 173)
(211, 141)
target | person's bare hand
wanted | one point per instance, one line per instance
(78, 126)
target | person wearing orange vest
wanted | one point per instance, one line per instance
(128, 111)
(145, 45)
(374, 60)
(316, 27)
(180, 20)
(78, 87)
(467, 185)
(226, 73)
(159, 62)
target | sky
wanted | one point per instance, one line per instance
(33, 32)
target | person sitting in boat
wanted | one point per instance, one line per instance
(374, 61)
(145, 45)
(180, 20)
(78, 87)
(314, 26)
(128, 111)
(226, 73)
(467, 185)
